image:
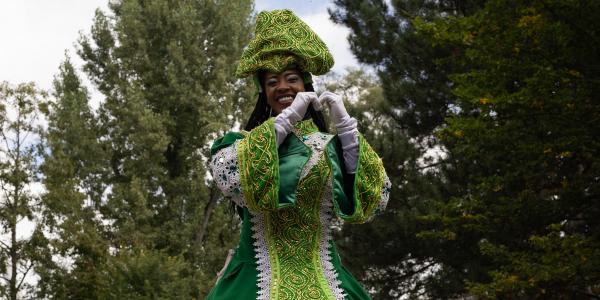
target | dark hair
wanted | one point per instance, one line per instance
(262, 111)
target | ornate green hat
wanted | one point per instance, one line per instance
(281, 41)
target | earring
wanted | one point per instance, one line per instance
(270, 111)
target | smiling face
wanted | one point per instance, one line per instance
(281, 88)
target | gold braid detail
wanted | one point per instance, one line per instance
(369, 180)
(259, 167)
(294, 239)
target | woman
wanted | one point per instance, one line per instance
(288, 176)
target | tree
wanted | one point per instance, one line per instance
(416, 100)
(20, 119)
(510, 213)
(75, 169)
(523, 136)
(386, 270)
(136, 194)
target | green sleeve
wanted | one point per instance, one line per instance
(225, 141)
(259, 167)
(357, 196)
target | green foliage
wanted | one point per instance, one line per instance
(128, 212)
(392, 231)
(20, 121)
(524, 131)
(514, 215)
(416, 100)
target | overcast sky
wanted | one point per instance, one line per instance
(34, 34)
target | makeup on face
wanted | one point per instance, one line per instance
(281, 88)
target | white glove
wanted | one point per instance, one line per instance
(346, 128)
(285, 121)
(338, 113)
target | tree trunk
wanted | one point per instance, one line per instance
(207, 213)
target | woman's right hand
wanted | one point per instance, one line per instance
(296, 111)
(285, 121)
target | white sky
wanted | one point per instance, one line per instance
(34, 34)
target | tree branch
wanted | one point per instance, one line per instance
(4, 245)
(207, 213)
(24, 275)
(417, 271)
(430, 165)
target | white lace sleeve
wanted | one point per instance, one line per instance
(226, 173)
(385, 195)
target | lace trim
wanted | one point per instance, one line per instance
(385, 195)
(226, 173)
(263, 265)
(324, 253)
(317, 142)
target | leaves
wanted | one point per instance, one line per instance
(20, 127)
(126, 187)
(515, 110)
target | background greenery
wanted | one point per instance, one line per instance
(485, 113)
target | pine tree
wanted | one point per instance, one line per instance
(132, 213)
(509, 211)
(20, 121)
(416, 100)
(75, 169)
(523, 137)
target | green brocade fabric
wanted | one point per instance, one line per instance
(293, 155)
(281, 41)
(239, 278)
(290, 192)
(259, 167)
(358, 205)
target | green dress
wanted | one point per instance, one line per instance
(289, 195)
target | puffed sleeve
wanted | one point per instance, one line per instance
(224, 166)
(358, 197)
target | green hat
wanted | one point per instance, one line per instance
(282, 41)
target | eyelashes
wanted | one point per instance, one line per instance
(292, 78)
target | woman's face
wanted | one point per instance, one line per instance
(281, 89)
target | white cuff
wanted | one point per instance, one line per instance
(282, 128)
(349, 141)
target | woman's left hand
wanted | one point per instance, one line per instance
(346, 129)
(339, 115)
